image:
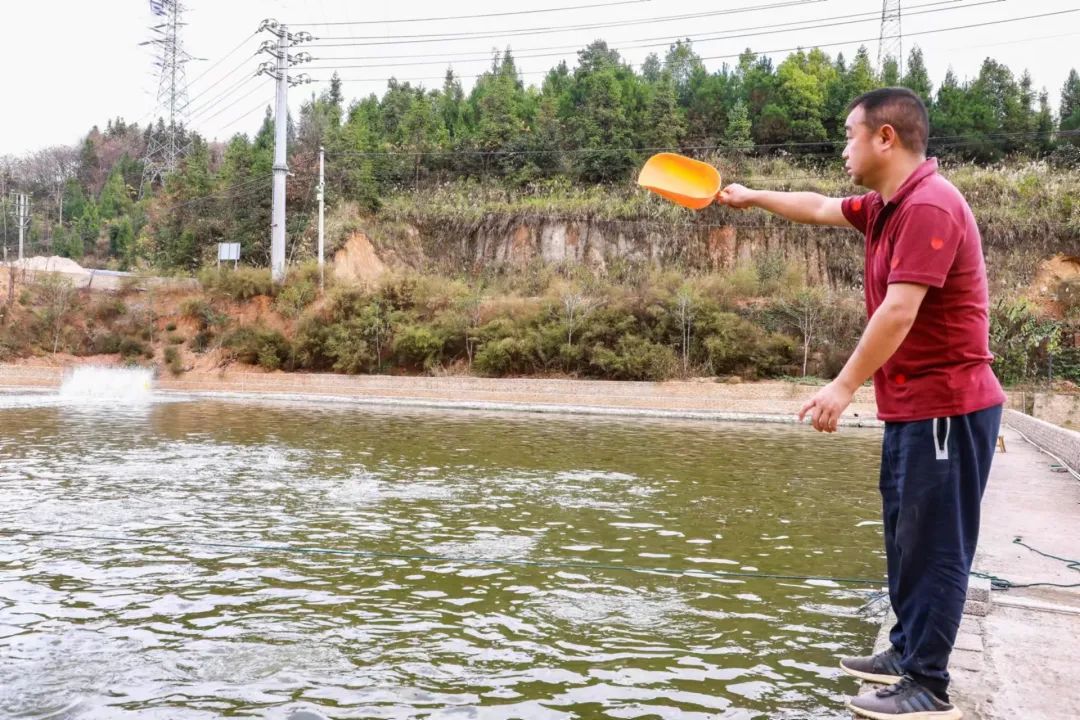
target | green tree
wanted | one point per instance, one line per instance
(122, 240)
(115, 199)
(598, 115)
(665, 123)
(452, 107)
(890, 72)
(916, 78)
(861, 77)
(1069, 109)
(804, 81)
(950, 114)
(738, 126)
(1044, 124)
(651, 68)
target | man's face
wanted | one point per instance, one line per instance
(862, 156)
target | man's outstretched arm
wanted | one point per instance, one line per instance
(802, 207)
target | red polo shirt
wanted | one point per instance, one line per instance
(927, 235)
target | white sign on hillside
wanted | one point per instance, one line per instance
(228, 251)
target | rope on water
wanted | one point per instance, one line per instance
(550, 564)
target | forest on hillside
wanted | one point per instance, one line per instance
(586, 125)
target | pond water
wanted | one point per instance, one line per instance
(570, 624)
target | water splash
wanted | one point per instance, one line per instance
(124, 385)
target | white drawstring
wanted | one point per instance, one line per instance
(942, 450)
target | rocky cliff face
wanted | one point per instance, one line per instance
(831, 256)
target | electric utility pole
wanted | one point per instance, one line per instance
(322, 198)
(279, 70)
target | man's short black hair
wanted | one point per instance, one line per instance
(901, 108)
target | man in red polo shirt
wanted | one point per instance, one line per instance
(926, 345)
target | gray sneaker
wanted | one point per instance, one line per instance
(881, 668)
(905, 700)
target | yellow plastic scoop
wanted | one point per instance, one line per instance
(690, 183)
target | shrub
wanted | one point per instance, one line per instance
(419, 346)
(635, 358)
(1022, 340)
(504, 356)
(173, 362)
(201, 342)
(108, 309)
(296, 296)
(202, 312)
(349, 351)
(243, 283)
(258, 346)
(734, 345)
(105, 344)
(131, 350)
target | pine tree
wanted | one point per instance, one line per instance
(861, 77)
(1044, 123)
(738, 134)
(890, 72)
(915, 76)
(1069, 110)
(665, 124)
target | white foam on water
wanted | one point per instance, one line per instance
(123, 385)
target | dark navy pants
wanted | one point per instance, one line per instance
(933, 474)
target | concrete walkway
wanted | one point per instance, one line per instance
(1017, 661)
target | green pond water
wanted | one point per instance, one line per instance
(95, 628)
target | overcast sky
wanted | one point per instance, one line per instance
(71, 64)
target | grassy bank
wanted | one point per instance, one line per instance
(759, 320)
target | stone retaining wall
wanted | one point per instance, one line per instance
(1063, 443)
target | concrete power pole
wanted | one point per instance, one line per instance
(281, 166)
(22, 216)
(279, 70)
(322, 198)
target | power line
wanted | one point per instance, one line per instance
(191, 99)
(767, 52)
(921, 32)
(470, 17)
(1015, 42)
(223, 58)
(475, 35)
(249, 188)
(667, 40)
(224, 99)
(238, 100)
(224, 94)
(248, 113)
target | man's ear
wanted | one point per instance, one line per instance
(887, 136)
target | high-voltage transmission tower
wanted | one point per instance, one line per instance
(164, 148)
(889, 42)
(279, 70)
